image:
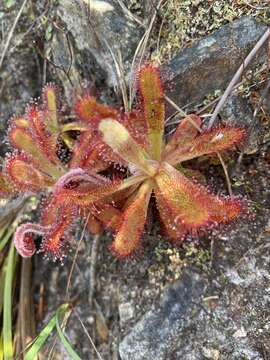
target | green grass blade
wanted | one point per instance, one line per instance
(65, 342)
(44, 334)
(5, 238)
(42, 337)
(1, 348)
(7, 306)
(2, 284)
(3, 233)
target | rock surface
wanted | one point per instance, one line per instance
(223, 318)
(156, 332)
(236, 110)
(19, 73)
(84, 49)
(210, 63)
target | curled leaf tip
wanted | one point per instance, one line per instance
(23, 238)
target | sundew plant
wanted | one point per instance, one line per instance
(118, 165)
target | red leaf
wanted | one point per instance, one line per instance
(150, 87)
(94, 226)
(25, 175)
(136, 125)
(91, 153)
(186, 131)
(25, 141)
(46, 140)
(90, 111)
(215, 140)
(174, 229)
(107, 214)
(128, 236)
(50, 120)
(191, 205)
(56, 240)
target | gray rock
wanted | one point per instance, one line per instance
(156, 333)
(126, 312)
(223, 319)
(237, 111)
(211, 62)
(237, 326)
(266, 102)
(19, 73)
(85, 49)
(211, 354)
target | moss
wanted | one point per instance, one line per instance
(170, 261)
(184, 21)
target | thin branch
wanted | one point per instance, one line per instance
(229, 185)
(11, 33)
(171, 102)
(264, 95)
(94, 255)
(88, 335)
(120, 73)
(254, 121)
(237, 76)
(159, 36)
(129, 14)
(182, 113)
(75, 257)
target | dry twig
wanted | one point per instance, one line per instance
(94, 255)
(26, 311)
(129, 14)
(8, 41)
(75, 257)
(237, 76)
(88, 335)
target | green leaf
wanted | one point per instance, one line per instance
(1, 348)
(45, 333)
(63, 338)
(4, 238)
(49, 32)
(7, 305)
